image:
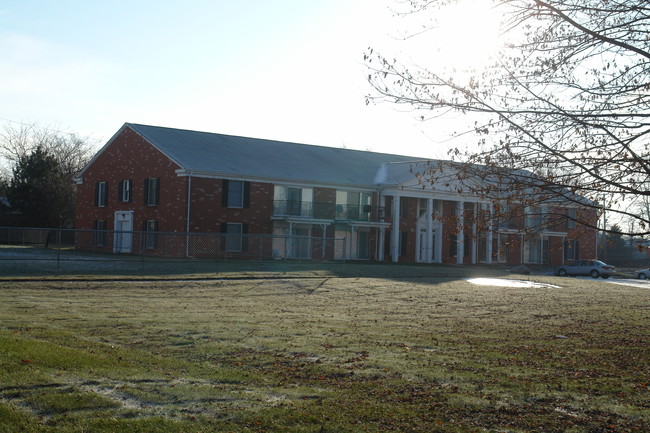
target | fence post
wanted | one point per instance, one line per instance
(58, 252)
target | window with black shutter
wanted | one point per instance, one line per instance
(150, 229)
(235, 194)
(124, 191)
(152, 191)
(101, 194)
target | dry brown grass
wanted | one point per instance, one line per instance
(325, 354)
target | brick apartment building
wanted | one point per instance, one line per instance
(153, 180)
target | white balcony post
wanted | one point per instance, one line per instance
(394, 244)
(429, 246)
(460, 238)
(490, 234)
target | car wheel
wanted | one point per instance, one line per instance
(562, 273)
(595, 273)
(605, 277)
(642, 276)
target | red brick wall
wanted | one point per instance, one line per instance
(207, 212)
(129, 156)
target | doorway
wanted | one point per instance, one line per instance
(123, 239)
(422, 250)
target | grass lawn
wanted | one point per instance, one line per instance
(324, 352)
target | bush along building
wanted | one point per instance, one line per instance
(151, 180)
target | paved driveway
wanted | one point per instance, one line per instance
(644, 284)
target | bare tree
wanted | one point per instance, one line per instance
(40, 164)
(70, 150)
(563, 109)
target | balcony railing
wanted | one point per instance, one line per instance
(343, 212)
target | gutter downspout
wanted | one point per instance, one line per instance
(187, 225)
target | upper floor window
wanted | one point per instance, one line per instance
(535, 217)
(101, 194)
(235, 193)
(124, 192)
(571, 216)
(152, 191)
(403, 207)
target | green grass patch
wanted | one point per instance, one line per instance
(324, 353)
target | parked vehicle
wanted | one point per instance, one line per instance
(595, 268)
(642, 274)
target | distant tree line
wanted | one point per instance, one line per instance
(36, 181)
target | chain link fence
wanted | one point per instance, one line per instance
(36, 251)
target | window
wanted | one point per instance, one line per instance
(236, 240)
(101, 194)
(403, 207)
(99, 233)
(235, 193)
(500, 254)
(503, 216)
(124, 192)
(533, 218)
(151, 191)
(294, 201)
(453, 245)
(533, 250)
(536, 250)
(150, 227)
(571, 215)
(422, 206)
(571, 250)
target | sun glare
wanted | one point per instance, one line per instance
(461, 35)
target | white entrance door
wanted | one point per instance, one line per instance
(422, 251)
(123, 241)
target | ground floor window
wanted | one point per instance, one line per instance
(571, 250)
(99, 233)
(150, 227)
(235, 237)
(500, 250)
(536, 250)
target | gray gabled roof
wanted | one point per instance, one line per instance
(227, 155)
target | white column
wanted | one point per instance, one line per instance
(460, 237)
(429, 245)
(394, 244)
(474, 252)
(490, 234)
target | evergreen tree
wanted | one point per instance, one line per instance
(41, 192)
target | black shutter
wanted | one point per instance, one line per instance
(247, 194)
(96, 193)
(403, 248)
(224, 193)
(146, 192)
(387, 241)
(244, 238)
(130, 185)
(120, 191)
(577, 253)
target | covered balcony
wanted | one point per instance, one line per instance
(330, 211)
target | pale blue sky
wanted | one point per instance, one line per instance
(277, 69)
